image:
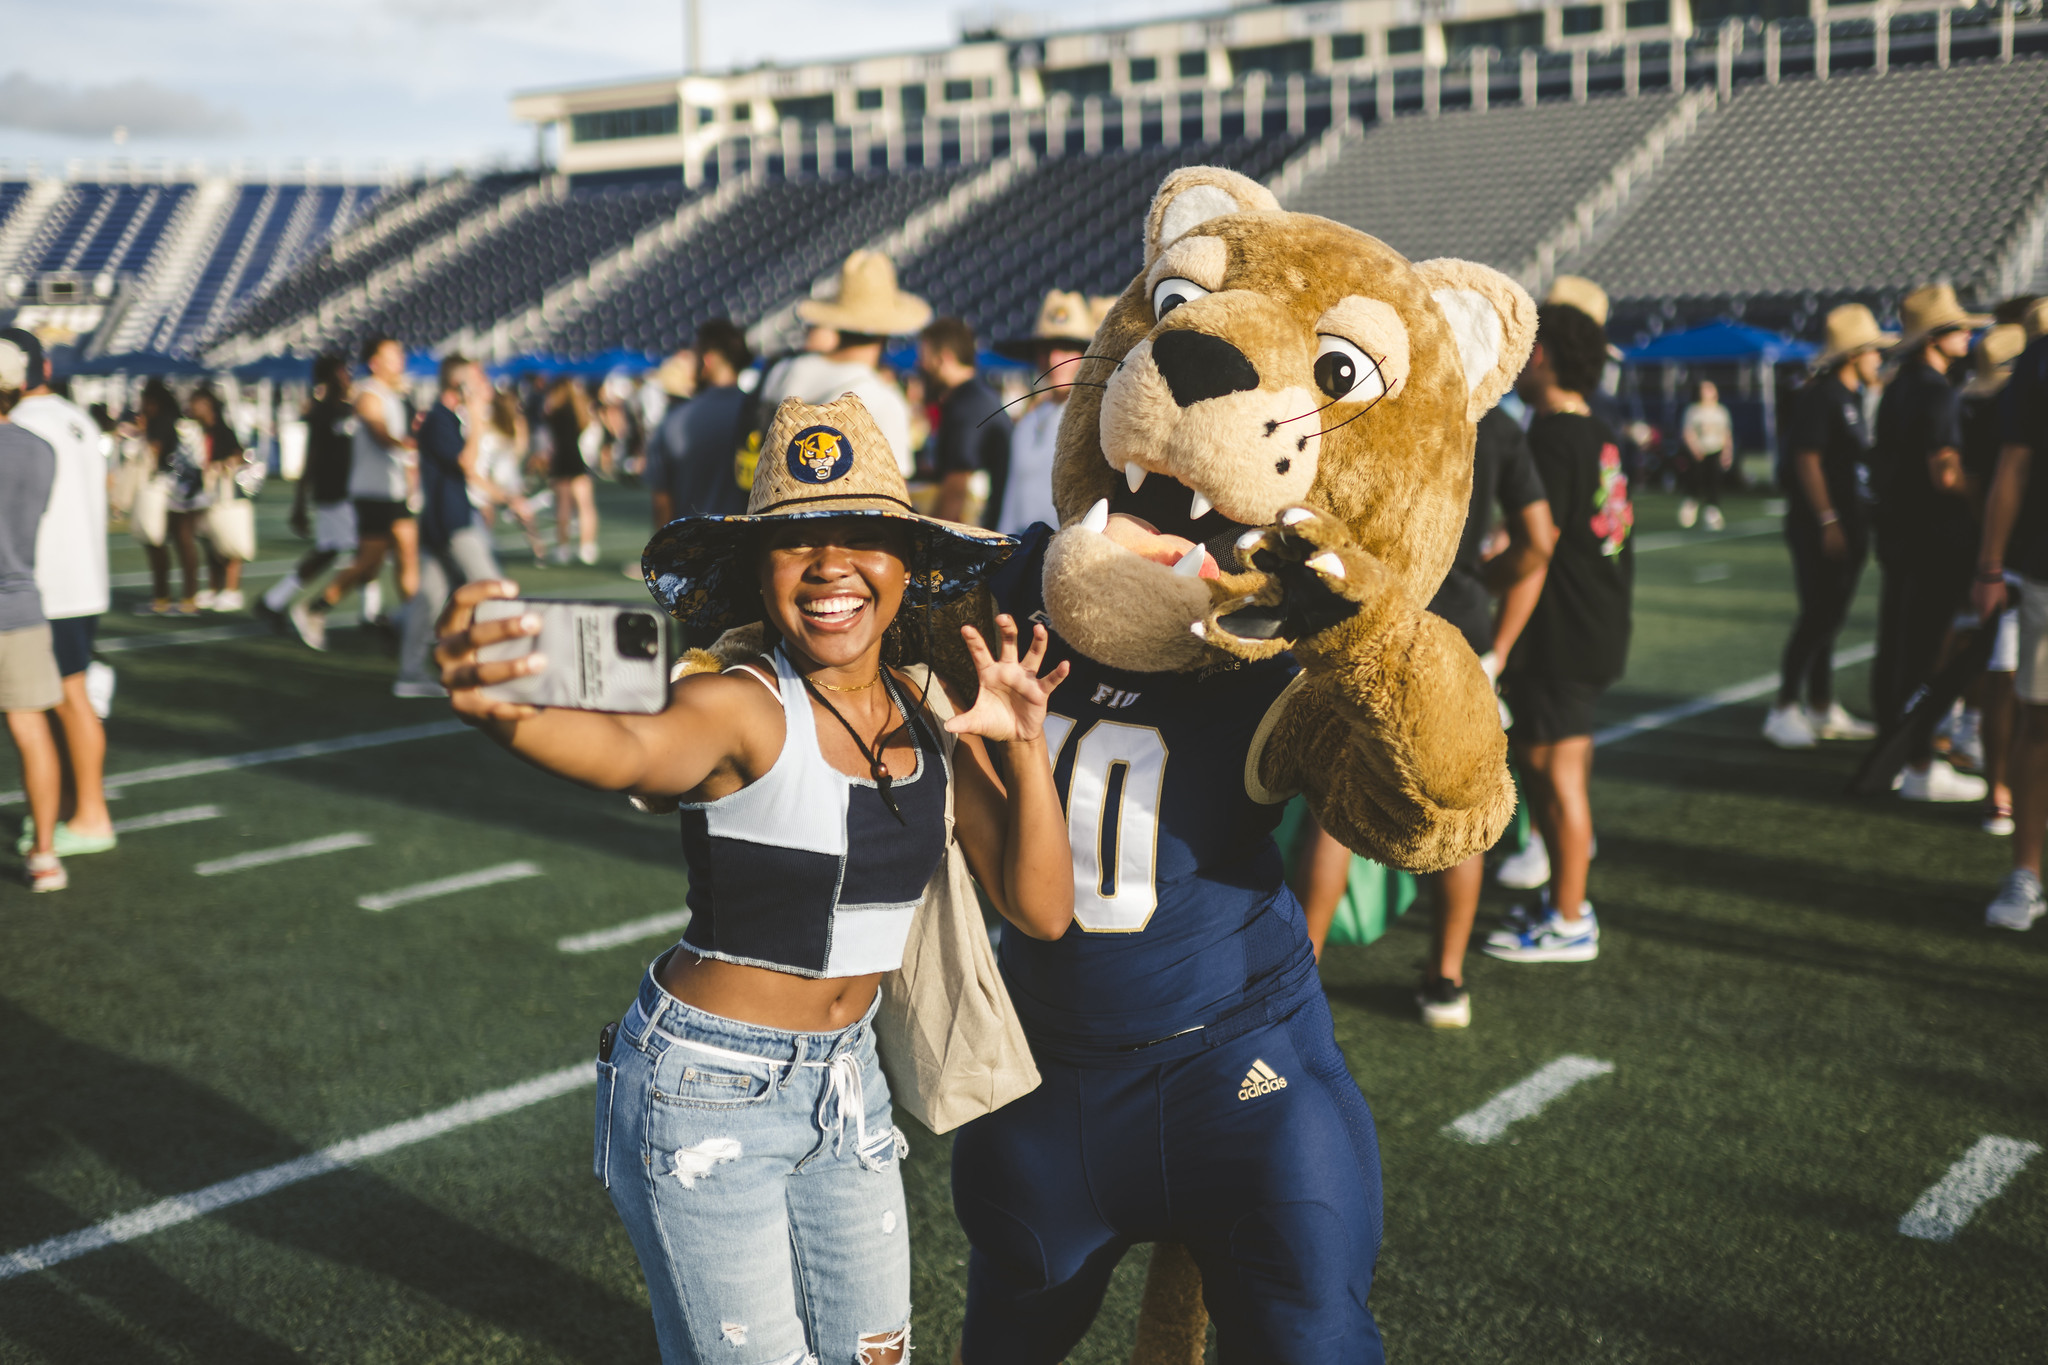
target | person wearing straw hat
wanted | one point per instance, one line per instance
(1990, 369)
(814, 787)
(2014, 554)
(1058, 340)
(866, 311)
(1827, 526)
(1925, 524)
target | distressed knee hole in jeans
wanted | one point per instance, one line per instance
(691, 1164)
(884, 1348)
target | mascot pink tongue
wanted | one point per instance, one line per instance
(1259, 491)
(1139, 537)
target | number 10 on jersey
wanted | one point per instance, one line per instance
(1113, 795)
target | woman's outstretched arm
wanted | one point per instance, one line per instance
(1010, 822)
(708, 723)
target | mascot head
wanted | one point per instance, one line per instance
(1265, 359)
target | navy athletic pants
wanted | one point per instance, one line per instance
(1275, 1190)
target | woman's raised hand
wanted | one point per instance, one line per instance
(460, 635)
(1013, 697)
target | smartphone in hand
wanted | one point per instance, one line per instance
(602, 656)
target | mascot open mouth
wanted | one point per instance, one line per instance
(1162, 517)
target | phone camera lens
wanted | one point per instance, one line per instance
(637, 634)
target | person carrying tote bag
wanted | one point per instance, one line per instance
(743, 1121)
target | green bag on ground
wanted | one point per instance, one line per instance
(1373, 896)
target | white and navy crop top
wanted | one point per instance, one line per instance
(806, 870)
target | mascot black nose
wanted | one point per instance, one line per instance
(1197, 366)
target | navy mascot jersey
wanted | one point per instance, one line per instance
(1182, 916)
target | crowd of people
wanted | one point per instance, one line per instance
(1914, 447)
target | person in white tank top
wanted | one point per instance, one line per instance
(795, 764)
(381, 480)
(501, 480)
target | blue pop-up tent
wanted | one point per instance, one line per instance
(1732, 343)
(145, 363)
(1721, 343)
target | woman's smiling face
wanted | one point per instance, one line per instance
(833, 585)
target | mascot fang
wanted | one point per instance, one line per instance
(1261, 480)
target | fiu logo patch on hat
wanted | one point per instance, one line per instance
(819, 454)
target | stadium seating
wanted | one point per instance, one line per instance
(443, 205)
(1864, 185)
(760, 253)
(510, 269)
(1069, 223)
(1485, 186)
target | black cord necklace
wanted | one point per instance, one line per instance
(872, 755)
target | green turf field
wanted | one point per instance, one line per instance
(1806, 1019)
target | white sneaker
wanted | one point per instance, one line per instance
(1553, 939)
(99, 688)
(203, 599)
(310, 624)
(1715, 521)
(228, 600)
(1688, 513)
(1837, 723)
(1789, 727)
(588, 554)
(1998, 822)
(561, 554)
(2018, 902)
(1941, 783)
(1528, 869)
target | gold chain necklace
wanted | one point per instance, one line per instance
(830, 688)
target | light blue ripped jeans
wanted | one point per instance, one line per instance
(756, 1172)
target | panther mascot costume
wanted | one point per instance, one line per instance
(1261, 479)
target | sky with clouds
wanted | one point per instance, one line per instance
(359, 82)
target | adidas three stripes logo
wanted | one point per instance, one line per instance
(1260, 1080)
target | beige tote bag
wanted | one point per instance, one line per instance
(949, 1037)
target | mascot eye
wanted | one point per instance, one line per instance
(1171, 293)
(1343, 371)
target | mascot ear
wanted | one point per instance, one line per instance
(1493, 319)
(1195, 194)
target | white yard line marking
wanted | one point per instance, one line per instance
(448, 886)
(202, 635)
(1714, 701)
(284, 853)
(1524, 1099)
(200, 767)
(620, 935)
(183, 1208)
(1678, 540)
(1974, 1181)
(268, 568)
(184, 815)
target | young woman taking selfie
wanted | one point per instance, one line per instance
(743, 1124)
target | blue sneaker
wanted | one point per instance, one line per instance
(1553, 939)
(1520, 919)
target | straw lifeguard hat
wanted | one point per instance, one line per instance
(1576, 291)
(2035, 319)
(1582, 294)
(1063, 321)
(1991, 362)
(816, 462)
(1933, 308)
(1851, 330)
(868, 300)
